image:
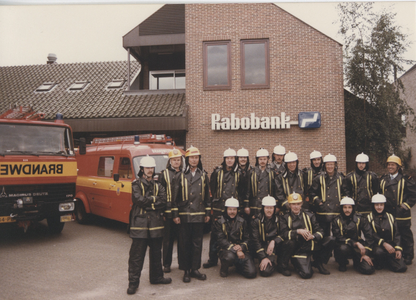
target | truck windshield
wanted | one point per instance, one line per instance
(161, 161)
(35, 139)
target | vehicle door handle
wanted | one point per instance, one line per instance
(94, 183)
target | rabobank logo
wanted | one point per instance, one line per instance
(309, 119)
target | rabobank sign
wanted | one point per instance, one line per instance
(253, 122)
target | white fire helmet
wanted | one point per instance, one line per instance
(232, 202)
(315, 154)
(262, 152)
(330, 158)
(279, 150)
(291, 156)
(147, 162)
(268, 201)
(229, 152)
(242, 153)
(362, 158)
(378, 198)
(347, 201)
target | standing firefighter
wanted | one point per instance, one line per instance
(361, 184)
(244, 168)
(278, 162)
(169, 179)
(347, 229)
(289, 182)
(225, 183)
(146, 226)
(400, 192)
(261, 182)
(232, 235)
(265, 237)
(309, 174)
(387, 251)
(191, 210)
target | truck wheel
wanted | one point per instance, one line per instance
(55, 225)
(82, 216)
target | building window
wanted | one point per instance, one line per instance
(45, 87)
(167, 80)
(217, 65)
(116, 83)
(255, 64)
(105, 166)
(78, 85)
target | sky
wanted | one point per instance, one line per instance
(89, 32)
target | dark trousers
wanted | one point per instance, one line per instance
(406, 241)
(243, 266)
(270, 268)
(190, 245)
(169, 235)
(343, 252)
(383, 258)
(136, 259)
(300, 258)
(213, 256)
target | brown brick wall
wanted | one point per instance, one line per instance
(305, 75)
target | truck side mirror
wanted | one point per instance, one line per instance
(82, 146)
(116, 177)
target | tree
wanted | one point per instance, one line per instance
(374, 48)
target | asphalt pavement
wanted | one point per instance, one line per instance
(90, 262)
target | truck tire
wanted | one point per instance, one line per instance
(82, 216)
(55, 225)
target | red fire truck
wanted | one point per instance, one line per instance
(38, 170)
(107, 168)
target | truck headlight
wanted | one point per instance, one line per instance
(68, 206)
(27, 200)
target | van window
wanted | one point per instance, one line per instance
(124, 169)
(161, 162)
(105, 166)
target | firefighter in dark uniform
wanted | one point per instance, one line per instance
(289, 182)
(261, 183)
(326, 193)
(146, 226)
(386, 248)
(309, 174)
(400, 191)
(361, 185)
(244, 168)
(302, 236)
(192, 209)
(278, 163)
(232, 240)
(347, 229)
(169, 178)
(225, 183)
(265, 237)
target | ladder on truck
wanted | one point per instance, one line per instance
(22, 113)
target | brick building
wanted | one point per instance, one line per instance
(244, 61)
(409, 82)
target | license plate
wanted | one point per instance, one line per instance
(67, 218)
(6, 219)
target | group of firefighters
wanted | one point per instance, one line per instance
(273, 211)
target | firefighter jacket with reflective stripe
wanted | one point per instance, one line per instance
(193, 201)
(289, 223)
(384, 229)
(169, 178)
(328, 191)
(308, 175)
(224, 184)
(261, 185)
(286, 184)
(230, 233)
(349, 233)
(398, 191)
(361, 188)
(149, 202)
(263, 231)
(244, 184)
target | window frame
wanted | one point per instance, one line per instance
(267, 63)
(205, 65)
(174, 72)
(105, 169)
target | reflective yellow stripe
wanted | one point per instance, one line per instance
(354, 184)
(399, 248)
(254, 183)
(306, 222)
(261, 249)
(408, 206)
(340, 226)
(145, 228)
(219, 183)
(168, 186)
(299, 256)
(347, 240)
(320, 234)
(403, 219)
(391, 221)
(380, 242)
(310, 177)
(192, 214)
(339, 183)
(203, 186)
(370, 185)
(263, 234)
(323, 188)
(327, 214)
